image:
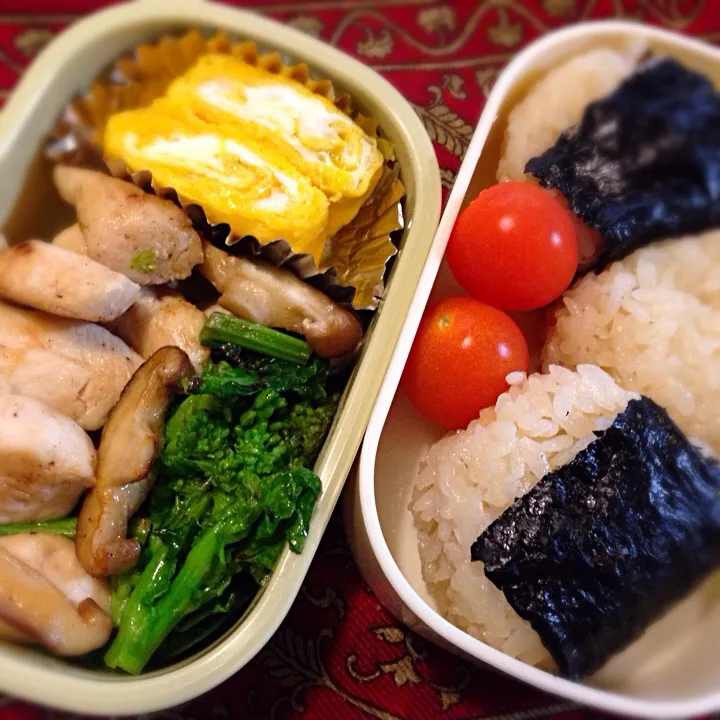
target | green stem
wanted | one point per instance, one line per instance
(65, 527)
(121, 590)
(140, 636)
(221, 328)
(135, 612)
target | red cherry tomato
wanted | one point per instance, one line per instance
(514, 247)
(461, 354)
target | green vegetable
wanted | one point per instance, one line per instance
(233, 488)
(222, 328)
(145, 261)
(246, 377)
(65, 527)
(122, 586)
(195, 629)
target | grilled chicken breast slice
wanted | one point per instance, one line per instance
(95, 364)
(47, 461)
(146, 238)
(163, 318)
(72, 239)
(61, 282)
(46, 597)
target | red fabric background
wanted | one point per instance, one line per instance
(339, 654)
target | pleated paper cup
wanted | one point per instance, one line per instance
(352, 265)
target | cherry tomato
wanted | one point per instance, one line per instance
(514, 247)
(461, 354)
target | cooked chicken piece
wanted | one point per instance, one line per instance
(103, 362)
(259, 291)
(210, 309)
(130, 441)
(162, 318)
(13, 634)
(58, 381)
(63, 283)
(46, 461)
(72, 239)
(46, 597)
(54, 556)
(149, 239)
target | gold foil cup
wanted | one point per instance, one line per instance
(352, 267)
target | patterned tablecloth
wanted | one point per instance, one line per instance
(339, 654)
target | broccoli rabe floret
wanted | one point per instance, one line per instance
(305, 428)
(233, 487)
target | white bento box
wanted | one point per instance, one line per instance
(30, 207)
(673, 671)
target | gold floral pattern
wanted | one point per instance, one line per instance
(329, 599)
(375, 46)
(445, 127)
(308, 24)
(677, 14)
(32, 40)
(505, 32)
(485, 77)
(406, 667)
(560, 8)
(297, 664)
(455, 86)
(435, 19)
(447, 177)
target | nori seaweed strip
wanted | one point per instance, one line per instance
(644, 162)
(603, 546)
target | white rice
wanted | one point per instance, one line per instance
(652, 321)
(470, 477)
(557, 102)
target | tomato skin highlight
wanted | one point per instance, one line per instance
(461, 354)
(515, 247)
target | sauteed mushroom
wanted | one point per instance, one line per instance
(256, 290)
(130, 441)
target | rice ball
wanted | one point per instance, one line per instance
(652, 321)
(471, 477)
(557, 102)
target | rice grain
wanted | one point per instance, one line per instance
(471, 477)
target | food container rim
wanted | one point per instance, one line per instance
(528, 58)
(68, 687)
(37, 80)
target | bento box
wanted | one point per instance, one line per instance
(672, 670)
(29, 207)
